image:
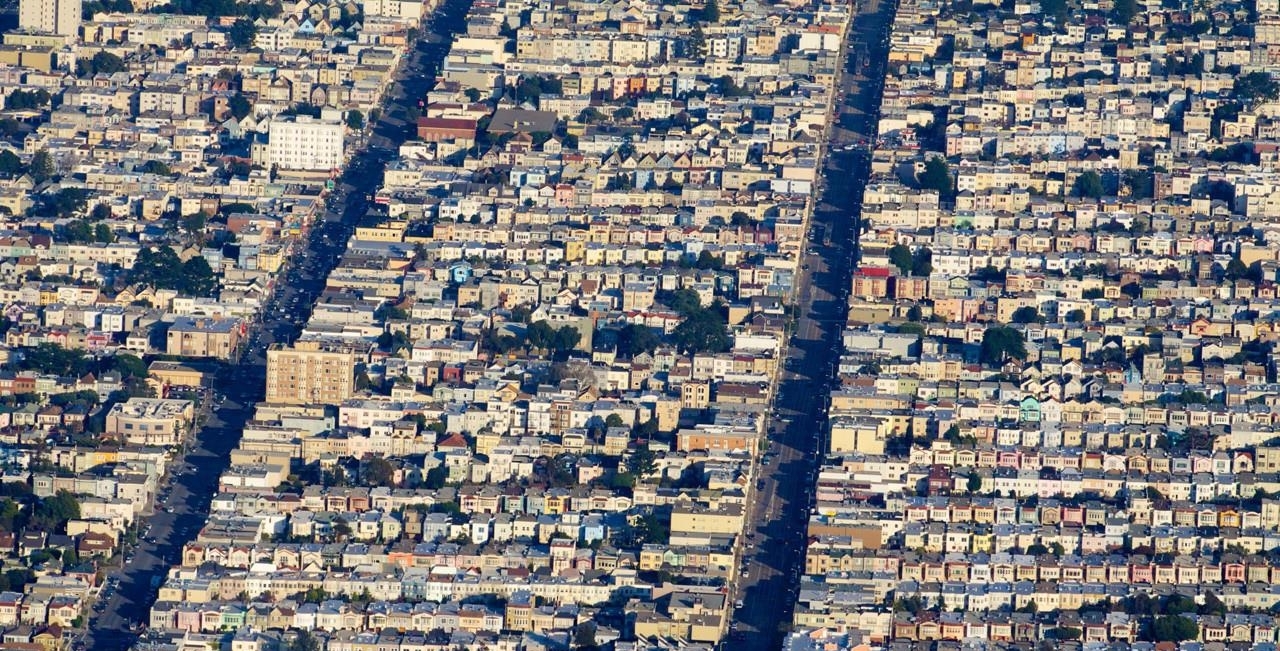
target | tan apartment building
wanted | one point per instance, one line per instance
(311, 372)
(204, 337)
(151, 421)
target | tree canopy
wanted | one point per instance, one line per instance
(10, 164)
(1174, 628)
(66, 202)
(936, 176)
(92, 7)
(239, 106)
(41, 168)
(252, 10)
(703, 330)
(242, 33)
(1026, 314)
(560, 341)
(911, 263)
(1255, 87)
(52, 513)
(1000, 344)
(710, 12)
(101, 63)
(378, 471)
(160, 267)
(1088, 185)
(27, 99)
(1123, 11)
(532, 87)
(634, 339)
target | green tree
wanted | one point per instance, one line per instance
(1123, 11)
(1212, 605)
(27, 99)
(198, 278)
(52, 513)
(9, 128)
(708, 260)
(10, 164)
(564, 340)
(1026, 314)
(355, 120)
(50, 358)
(66, 202)
(1236, 269)
(1141, 183)
(160, 267)
(936, 176)
(710, 12)
(77, 231)
(156, 167)
(584, 636)
(194, 223)
(1056, 9)
(697, 43)
(730, 88)
(540, 335)
(703, 331)
(41, 168)
(1088, 185)
(650, 529)
(239, 106)
(10, 515)
(642, 461)
(1174, 628)
(1255, 87)
(999, 344)
(974, 481)
(242, 33)
(436, 477)
(378, 471)
(101, 63)
(1064, 633)
(922, 262)
(129, 366)
(634, 339)
(304, 640)
(684, 301)
(100, 212)
(900, 256)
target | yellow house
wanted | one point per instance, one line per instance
(726, 519)
(862, 434)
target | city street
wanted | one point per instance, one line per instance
(183, 512)
(774, 550)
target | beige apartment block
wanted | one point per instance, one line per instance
(61, 17)
(151, 421)
(204, 337)
(311, 372)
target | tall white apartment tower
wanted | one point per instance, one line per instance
(304, 143)
(61, 17)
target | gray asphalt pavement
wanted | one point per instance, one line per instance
(774, 553)
(116, 626)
